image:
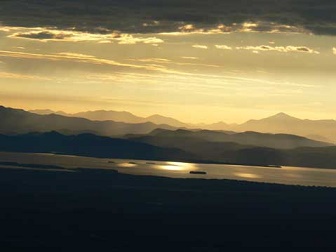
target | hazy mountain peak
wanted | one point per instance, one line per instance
(281, 116)
(48, 112)
(159, 119)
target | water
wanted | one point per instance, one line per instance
(284, 175)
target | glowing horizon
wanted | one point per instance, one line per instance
(193, 75)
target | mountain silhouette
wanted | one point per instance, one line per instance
(322, 130)
(276, 141)
(237, 153)
(109, 115)
(319, 130)
(119, 116)
(15, 121)
(159, 119)
(48, 112)
(216, 126)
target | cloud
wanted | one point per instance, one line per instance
(66, 56)
(187, 28)
(76, 55)
(243, 27)
(334, 50)
(151, 23)
(8, 28)
(8, 75)
(190, 58)
(44, 34)
(283, 49)
(90, 59)
(152, 60)
(224, 47)
(200, 46)
(261, 48)
(128, 39)
(62, 35)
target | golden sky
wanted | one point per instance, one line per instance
(192, 74)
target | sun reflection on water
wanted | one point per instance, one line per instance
(127, 165)
(176, 166)
(247, 175)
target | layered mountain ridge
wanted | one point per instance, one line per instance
(320, 130)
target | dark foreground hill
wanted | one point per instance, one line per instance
(210, 146)
(100, 210)
(188, 150)
(89, 145)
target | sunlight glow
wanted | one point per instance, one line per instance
(127, 165)
(247, 175)
(176, 166)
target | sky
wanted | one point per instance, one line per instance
(195, 61)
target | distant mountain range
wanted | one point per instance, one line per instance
(29, 132)
(117, 116)
(14, 121)
(320, 130)
(323, 130)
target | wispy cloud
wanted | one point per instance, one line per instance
(283, 49)
(190, 58)
(334, 50)
(90, 59)
(224, 47)
(8, 75)
(200, 46)
(9, 28)
(127, 39)
(152, 60)
(171, 62)
(151, 23)
(244, 27)
(264, 48)
(76, 55)
(76, 58)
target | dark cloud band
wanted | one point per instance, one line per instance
(101, 16)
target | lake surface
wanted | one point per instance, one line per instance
(284, 175)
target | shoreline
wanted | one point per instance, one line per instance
(158, 168)
(116, 172)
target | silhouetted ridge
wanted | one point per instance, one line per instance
(320, 130)
(14, 121)
(160, 148)
(277, 141)
(117, 116)
(89, 145)
(281, 116)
